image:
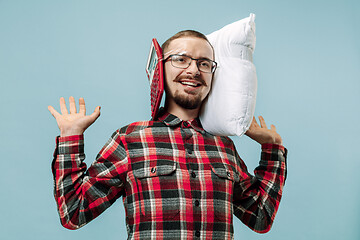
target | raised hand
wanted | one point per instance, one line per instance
(73, 123)
(261, 134)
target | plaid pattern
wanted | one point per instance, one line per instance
(177, 181)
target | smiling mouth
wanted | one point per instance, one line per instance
(191, 84)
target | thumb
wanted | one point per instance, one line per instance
(53, 112)
(96, 113)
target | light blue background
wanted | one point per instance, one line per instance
(308, 64)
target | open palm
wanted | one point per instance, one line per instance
(262, 134)
(73, 123)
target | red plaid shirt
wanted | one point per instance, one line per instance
(177, 181)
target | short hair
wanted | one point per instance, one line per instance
(186, 33)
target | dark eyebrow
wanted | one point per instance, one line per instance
(202, 58)
(205, 59)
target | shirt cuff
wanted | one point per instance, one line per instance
(70, 144)
(270, 146)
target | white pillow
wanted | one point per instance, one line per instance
(230, 106)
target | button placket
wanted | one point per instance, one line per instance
(189, 151)
(187, 136)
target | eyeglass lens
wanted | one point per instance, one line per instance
(182, 61)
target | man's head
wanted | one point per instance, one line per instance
(182, 34)
(188, 69)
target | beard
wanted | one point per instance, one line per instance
(187, 102)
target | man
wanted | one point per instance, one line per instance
(177, 181)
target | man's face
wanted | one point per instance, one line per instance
(187, 87)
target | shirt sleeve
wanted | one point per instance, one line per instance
(256, 198)
(82, 194)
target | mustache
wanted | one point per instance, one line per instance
(196, 78)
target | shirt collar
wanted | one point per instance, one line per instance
(172, 121)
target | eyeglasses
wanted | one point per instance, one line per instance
(183, 61)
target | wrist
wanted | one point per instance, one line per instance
(271, 140)
(70, 132)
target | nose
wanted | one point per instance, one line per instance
(193, 68)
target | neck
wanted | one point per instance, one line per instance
(182, 113)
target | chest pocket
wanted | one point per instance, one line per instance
(155, 169)
(225, 172)
(157, 189)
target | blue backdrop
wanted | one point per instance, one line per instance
(308, 64)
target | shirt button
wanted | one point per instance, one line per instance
(189, 151)
(153, 170)
(193, 175)
(228, 174)
(197, 203)
(197, 233)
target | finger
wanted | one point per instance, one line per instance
(95, 114)
(262, 122)
(254, 122)
(82, 108)
(273, 127)
(72, 104)
(63, 106)
(53, 112)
